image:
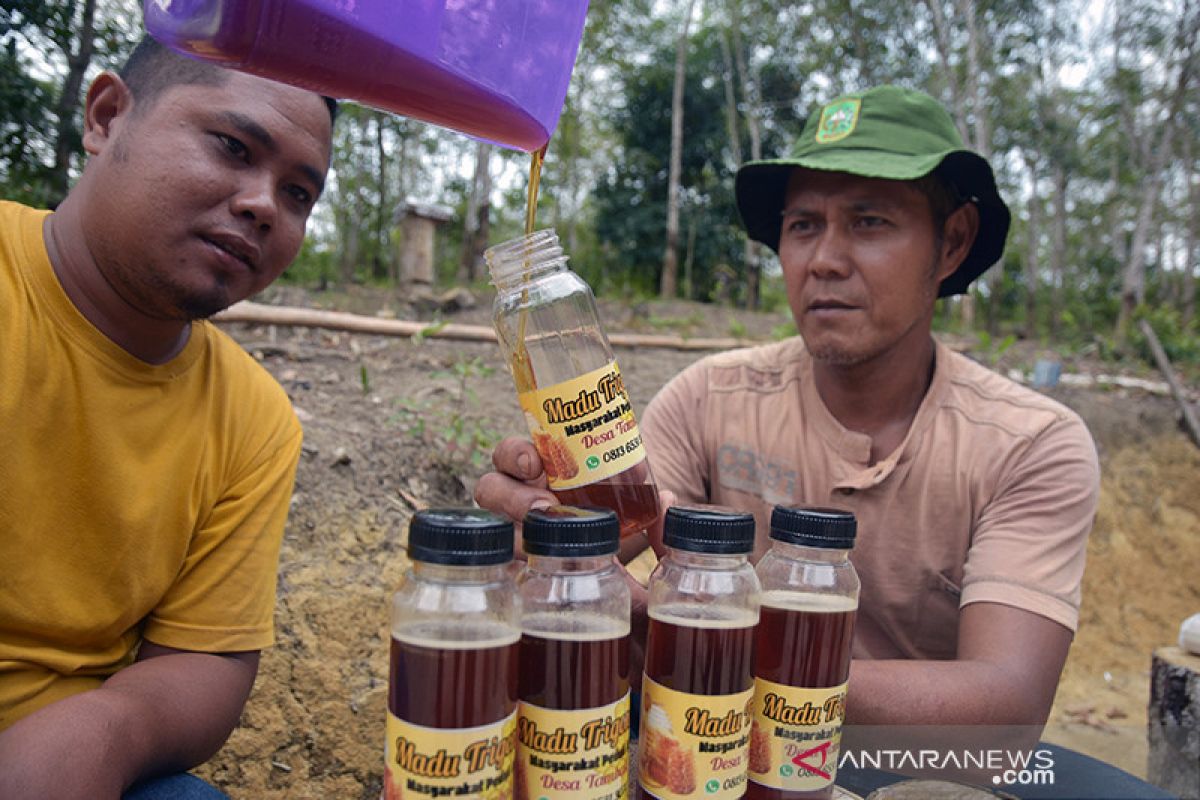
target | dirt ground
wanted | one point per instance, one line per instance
(392, 425)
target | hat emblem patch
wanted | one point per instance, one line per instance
(838, 120)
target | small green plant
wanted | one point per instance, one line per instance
(680, 325)
(784, 330)
(465, 438)
(737, 328)
(992, 350)
(429, 330)
(364, 378)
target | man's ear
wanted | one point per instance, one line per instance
(958, 235)
(108, 101)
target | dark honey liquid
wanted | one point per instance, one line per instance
(802, 640)
(537, 159)
(700, 656)
(441, 684)
(522, 365)
(806, 646)
(573, 673)
(631, 494)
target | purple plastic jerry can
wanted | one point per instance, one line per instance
(495, 69)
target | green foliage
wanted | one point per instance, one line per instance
(1180, 342)
(37, 38)
(992, 350)
(604, 185)
(631, 199)
(458, 429)
(681, 325)
(772, 295)
(315, 265)
(737, 328)
(784, 330)
(26, 128)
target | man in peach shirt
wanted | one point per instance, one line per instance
(974, 495)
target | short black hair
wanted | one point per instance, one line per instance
(944, 198)
(151, 68)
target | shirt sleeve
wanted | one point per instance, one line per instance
(1029, 547)
(673, 429)
(223, 599)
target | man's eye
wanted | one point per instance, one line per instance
(233, 146)
(800, 226)
(300, 195)
(871, 222)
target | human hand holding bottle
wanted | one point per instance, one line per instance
(518, 485)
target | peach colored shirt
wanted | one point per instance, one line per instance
(990, 497)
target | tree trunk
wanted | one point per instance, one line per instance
(689, 259)
(1157, 149)
(475, 229)
(350, 242)
(748, 78)
(945, 49)
(1133, 280)
(670, 270)
(1191, 254)
(66, 133)
(1031, 250)
(383, 214)
(982, 143)
(1058, 251)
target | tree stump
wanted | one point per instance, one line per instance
(1174, 721)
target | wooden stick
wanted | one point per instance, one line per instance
(260, 314)
(1164, 366)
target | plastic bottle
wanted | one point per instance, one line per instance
(498, 70)
(452, 693)
(699, 680)
(568, 382)
(573, 718)
(810, 597)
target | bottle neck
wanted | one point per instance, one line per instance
(556, 565)
(524, 260)
(447, 573)
(687, 558)
(821, 555)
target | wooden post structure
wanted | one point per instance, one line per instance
(1174, 722)
(419, 223)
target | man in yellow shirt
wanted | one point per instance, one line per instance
(148, 461)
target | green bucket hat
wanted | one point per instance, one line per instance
(885, 132)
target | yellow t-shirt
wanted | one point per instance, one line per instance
(136, 500)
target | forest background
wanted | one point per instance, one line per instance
(1089, 111)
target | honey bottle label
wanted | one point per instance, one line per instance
(796, 738)
(581, 754)
(693, 745)
(583, 428)
(450, 762)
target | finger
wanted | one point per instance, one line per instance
(631, 547)
(509, 497)
(666, 499)
(517, 458)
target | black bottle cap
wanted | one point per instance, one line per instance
(465, 537)
(709, 529)
(569, 531)
(830, 528)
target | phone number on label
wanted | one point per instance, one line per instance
(623, 450)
